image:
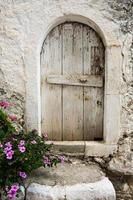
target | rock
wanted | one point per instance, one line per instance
(74, 181)
(121, 166)
(102, 190)
(125, 187)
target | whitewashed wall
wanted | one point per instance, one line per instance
(24, 25)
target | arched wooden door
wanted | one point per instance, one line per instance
(72, 83)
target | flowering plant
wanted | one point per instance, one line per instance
(20, 154)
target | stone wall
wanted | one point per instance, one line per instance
(122, 163)
(22, 25)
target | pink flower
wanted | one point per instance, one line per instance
(22, 174)
(15, 187)
(45, 136)
(12, 194)
(21, 146)
(33, 142)
(62, 159)
(4, 104)
(22, 149)
(9, 155)
(22, 143)
(13, 191)
(8, 144)
(13, 118)
(7, 149)
(46, 160)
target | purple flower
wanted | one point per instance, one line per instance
(22, 174)
(46, 160)
(22, 143)
(8, 144)
(33, 142)
(15, 187)
(21, 146)
(12, 194)
(62, 159)
(4, 104)
(7, 149)
(22, 149)
(13, 191)
(9, 155)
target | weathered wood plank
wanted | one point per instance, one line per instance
(99, 114)
(77, 80)
(72, 95)
(89, 107)
(93, 97)
(97, 67)
(51, 94)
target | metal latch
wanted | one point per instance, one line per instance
(83, 80)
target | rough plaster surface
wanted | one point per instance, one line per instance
(22, 27)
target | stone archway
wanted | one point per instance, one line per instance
(112, 72)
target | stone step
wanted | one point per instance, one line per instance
(74, 181)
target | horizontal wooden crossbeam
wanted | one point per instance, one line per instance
(77, 80)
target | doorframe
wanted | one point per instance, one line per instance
(113, 60)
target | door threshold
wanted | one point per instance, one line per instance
(83, 148)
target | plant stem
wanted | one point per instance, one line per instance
(25, 193)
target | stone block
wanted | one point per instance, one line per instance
(71, 181)
(69, 147)
(102, 190)
(99, 149)
(111, 118)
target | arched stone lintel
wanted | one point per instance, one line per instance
(104, 30)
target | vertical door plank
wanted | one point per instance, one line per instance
(72, 95)
(97, 68)
(51, 94)
(99, 113)
(89, 92)
(93, 97)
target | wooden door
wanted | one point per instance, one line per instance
(72, 83)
